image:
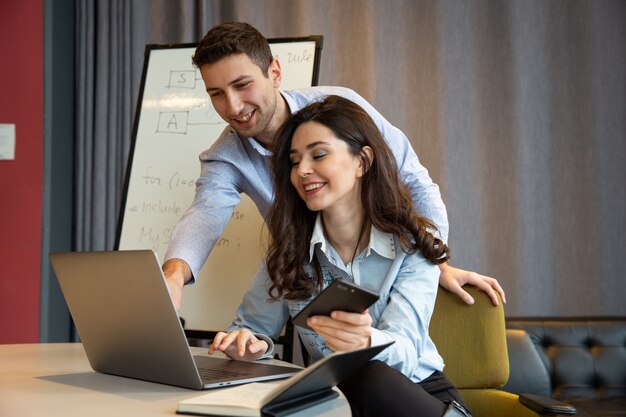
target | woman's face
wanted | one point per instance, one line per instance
(323, 171)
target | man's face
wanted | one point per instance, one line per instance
(243, 96)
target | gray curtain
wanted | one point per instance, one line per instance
(111, 39)
(516, 107)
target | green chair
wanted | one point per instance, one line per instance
(472, 341)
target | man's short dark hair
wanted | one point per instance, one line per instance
(233, 38)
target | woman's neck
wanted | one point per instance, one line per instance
(343, 231)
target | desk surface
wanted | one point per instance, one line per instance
(56, 380)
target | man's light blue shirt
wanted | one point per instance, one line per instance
(234, 165)
(407, 286)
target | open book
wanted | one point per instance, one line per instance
(310, 386)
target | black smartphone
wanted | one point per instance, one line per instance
(545, 405)
(340, 295)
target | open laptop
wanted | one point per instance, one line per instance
(129, 327)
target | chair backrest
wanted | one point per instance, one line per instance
(471, 339)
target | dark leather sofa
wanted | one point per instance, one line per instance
(581, 361)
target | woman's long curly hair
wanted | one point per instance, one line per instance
(386, 199)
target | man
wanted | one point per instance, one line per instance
(242, 79)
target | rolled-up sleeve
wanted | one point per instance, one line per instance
(195, 235)
(259, 314)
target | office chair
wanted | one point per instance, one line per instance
(472, 341)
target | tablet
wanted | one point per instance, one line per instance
(340, 295)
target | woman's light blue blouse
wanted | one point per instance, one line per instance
(407, 286)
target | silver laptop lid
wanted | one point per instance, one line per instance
(124, 315)
(128, 324)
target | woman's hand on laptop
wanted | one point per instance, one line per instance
(241, 345)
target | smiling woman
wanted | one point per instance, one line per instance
(341, 212)
(335, 159)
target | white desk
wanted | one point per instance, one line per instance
(53, 380)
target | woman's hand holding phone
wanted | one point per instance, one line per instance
(339, 314)
(344, 331)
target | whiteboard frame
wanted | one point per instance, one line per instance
(202, 332)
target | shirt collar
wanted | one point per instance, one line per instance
(380, 242)
(318, 237)
(292, 104)
(258, 147)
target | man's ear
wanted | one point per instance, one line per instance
(366, 160)
(275, 73)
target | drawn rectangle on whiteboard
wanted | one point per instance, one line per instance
(183, 79)
(174, 123)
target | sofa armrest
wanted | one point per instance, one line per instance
(546, 405)
(528, 373)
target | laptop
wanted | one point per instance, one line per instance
(129, 327)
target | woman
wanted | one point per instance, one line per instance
(341, 212)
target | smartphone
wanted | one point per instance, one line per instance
(340, 295)
(545, 405)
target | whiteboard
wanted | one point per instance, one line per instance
(174, 123)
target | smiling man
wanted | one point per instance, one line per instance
(245, 97)
(243, 81)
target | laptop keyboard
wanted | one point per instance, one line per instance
(216, 374)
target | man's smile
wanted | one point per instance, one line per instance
(245, 118)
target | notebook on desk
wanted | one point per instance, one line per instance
(129, 327)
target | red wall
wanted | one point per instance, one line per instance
(21, 103)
